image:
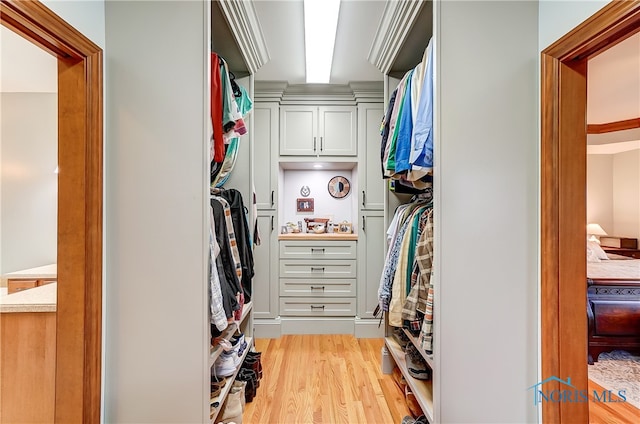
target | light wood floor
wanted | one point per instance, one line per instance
(611, 412)
(324, 379)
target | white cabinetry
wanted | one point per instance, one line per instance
(371, 184)
(265, 142)
(318, 131)
(265, 258)
(318, 279)
(371, 247)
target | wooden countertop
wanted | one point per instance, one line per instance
(37, 299)
(321, 236)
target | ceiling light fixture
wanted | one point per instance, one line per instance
(320, 25)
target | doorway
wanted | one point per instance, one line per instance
(563, 198)
(80, 116)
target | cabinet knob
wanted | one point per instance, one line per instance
(320, 143)
(314, 144)
(363, 197)
(318, 250)
(363, 222)
(272, 196)
(317, 307)
(317, 288)
(321, 269)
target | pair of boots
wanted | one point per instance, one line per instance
(234, 404)
(251, 373)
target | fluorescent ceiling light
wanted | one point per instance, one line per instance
(320, 25)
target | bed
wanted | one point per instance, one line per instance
(613, 310)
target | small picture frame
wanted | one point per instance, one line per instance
(344, 227)
(304, 204)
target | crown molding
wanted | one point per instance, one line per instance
(397, 20)
(269, 91)
(245, 27)
(367, 91)
(319, 94)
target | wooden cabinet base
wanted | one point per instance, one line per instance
(27, 367)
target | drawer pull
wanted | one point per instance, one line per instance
(317, 307)
(315, 249)
(321, 269)
(317, 288)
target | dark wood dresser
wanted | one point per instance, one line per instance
(613, 316)
(632, 253)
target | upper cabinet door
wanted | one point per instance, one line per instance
(265, 144)
(337, 131)
(318, 131)
(298, 130)
(371, 184)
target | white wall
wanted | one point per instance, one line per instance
(157, 195)
(325, 206)
(87, 16)
(559, 17)
(29, 186)
(626, 194)
(613, 192)
(487, 187)
(600, 191)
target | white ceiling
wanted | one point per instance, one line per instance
(282, 27)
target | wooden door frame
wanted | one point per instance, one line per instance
(80, 134)
(563, 198)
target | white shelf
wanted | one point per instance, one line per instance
(422, 389)
(230, 380)
(215, 351)
(428, 358)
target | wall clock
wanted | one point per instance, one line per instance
(339, 187)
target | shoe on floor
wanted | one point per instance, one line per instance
(408, 420)
(416, 365)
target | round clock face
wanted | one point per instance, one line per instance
(339, 187)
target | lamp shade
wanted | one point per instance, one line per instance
(595, 230)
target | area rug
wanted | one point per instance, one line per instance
(618, 370)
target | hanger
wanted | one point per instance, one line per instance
(234, 85)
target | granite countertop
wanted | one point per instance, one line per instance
(321, 236)
(37, 299)
(47, 271)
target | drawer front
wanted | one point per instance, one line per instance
(317, 269)
(14, 286)
(616, 318)
(317, 288)
(321, 249)
(310, 307)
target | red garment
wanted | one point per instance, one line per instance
(216, 109)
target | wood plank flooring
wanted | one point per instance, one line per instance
(611, 412)
(324, 379)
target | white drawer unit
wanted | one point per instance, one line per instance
(321, 307)
(317, 279)
(317, 287)
(303, 268)
(321, 249)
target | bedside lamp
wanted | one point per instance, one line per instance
(594, 230)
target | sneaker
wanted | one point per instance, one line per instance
(416, 365)
(400, 336)
(226, 364)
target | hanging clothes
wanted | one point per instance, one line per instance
(407, 127)
(238, 213)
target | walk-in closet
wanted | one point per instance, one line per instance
(361, 250)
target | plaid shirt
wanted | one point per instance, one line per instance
(423, 266)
